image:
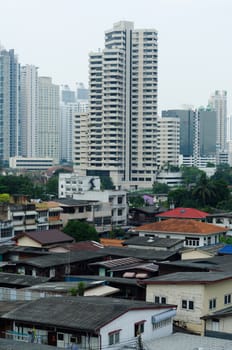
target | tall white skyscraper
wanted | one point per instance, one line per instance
(28, 109)
(9, 105)
(47, 126)
(123, 106)
(218, 101)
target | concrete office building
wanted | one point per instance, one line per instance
(28, 109)
(47, 130)
(123, 107)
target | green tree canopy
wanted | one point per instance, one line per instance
(81, 231)
(190, 175)
(106, 183)
(160, 188)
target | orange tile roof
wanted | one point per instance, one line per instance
(185, 213)
(109, 242)
(182, 226)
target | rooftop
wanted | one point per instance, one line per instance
(180, 341)
(182, 226)
(190, 278)
(46, 236)
(56, 259)
(20, 280)
(184, 213)
(83, 313)
(152, 242)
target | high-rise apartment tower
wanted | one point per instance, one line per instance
(123, 106)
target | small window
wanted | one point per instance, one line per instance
(227, 299)
(139, 328)
(160, 300)
(114, 337)
(212, 303)
(187, 304)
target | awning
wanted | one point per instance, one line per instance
(101, 291)
(129, 274)
(141, 275)
(163, 316)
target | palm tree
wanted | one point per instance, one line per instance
(204, 191)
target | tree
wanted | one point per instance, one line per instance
(4, 198)
(190, 175)
(79, 290)
(106, 183)
(52, 186)
(160, 188)
(204, 191)
(136, 201)
(81, 231)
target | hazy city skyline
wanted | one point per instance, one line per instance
(194, 55)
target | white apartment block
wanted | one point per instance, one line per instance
(67, 114)
(28, 109)
(47, 128)
(123, 107)
(87, 188)
(81, 143)
(71, 184)
(168, 142)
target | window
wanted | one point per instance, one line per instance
(160, 299)
(139, 328)
(212, 303)
(227, 299)
(187, 304)
(114, 337)
(161, 324)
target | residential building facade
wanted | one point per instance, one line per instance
(123, 106)
(47, 129)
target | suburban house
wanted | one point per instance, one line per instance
(196, 294)
(195, 233)
(89, 322)
(183, 213)
(45, 239)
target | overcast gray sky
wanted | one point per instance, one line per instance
(195, 54)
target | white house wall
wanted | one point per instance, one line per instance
(126, 323)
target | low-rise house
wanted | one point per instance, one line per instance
(195, 233)
(125, 267)
(218, 324)
(90, 322)
(195, 294)
(56, 265)
(42, 239)
(23, 217)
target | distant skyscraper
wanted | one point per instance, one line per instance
(218, 101)
(197, 132)
(67, 95)
(47, 127)
(82, 92)
(28, 109)
(9, 105)
(123, 106)
(186, 129)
